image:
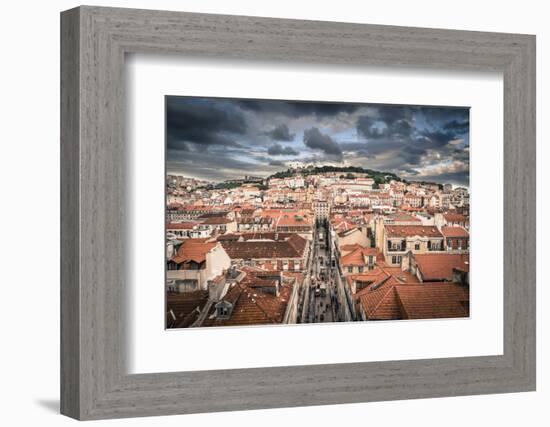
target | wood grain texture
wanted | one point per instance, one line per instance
(70, 181)
(94, 271)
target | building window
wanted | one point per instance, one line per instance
(350, 269)
(396, 259)
(361, 268)
(417, 246)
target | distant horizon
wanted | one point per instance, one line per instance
(219, 139)
(411, 181)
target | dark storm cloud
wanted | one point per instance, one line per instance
(429, 139)
(392, 121)
(202, 122)
(458, 126)
(296, 109)
(461, 178)
(279, 150)
(410, 171)
(408, 137)
(443, 114)
(399, 121)
(316, 140)
(217, 166)
(225, 138)
(281, 133)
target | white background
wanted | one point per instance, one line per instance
(151, 78)
(29, 171)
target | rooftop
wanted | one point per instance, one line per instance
(402, 217)
(185, 306)
(454, 232)
(251, 306)
(292, 247)
(193, 250)
(455, 217)
(357, 256)
(440, 266)
(294, 220)
(416, 301)
(412, 230)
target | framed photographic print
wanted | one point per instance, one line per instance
(309, 234)
(283, 213)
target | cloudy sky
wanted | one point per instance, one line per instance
(218, 139)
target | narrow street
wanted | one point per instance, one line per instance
(323, 301)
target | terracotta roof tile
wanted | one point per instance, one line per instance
(433, 301)
(185, 306)
(455, 217)
(293, 247)
(403, 217)
(412, 230)
(253, 307)
(193, 250)
(454, 232)
(357, 256)
(392, 301)
(440, 266)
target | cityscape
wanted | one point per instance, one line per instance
(316, 212)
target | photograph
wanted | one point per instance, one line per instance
(282, 212)
(260, 214)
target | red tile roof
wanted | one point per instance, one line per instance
(440, 266)
(454, 232)
(357, 256)
(412, 230)
(228, 236)
(437, 300)
(253, 307)
(403, 217)
(294, 220)
(185, 306)
(375, 276)
(400, 275)
(455, 217)
(381, 275)
(293, 247)
(297, 242)
(193, 250)
(381, 303)
(434, 301)
(342, 225)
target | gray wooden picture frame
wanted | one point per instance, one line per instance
(94, 41)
